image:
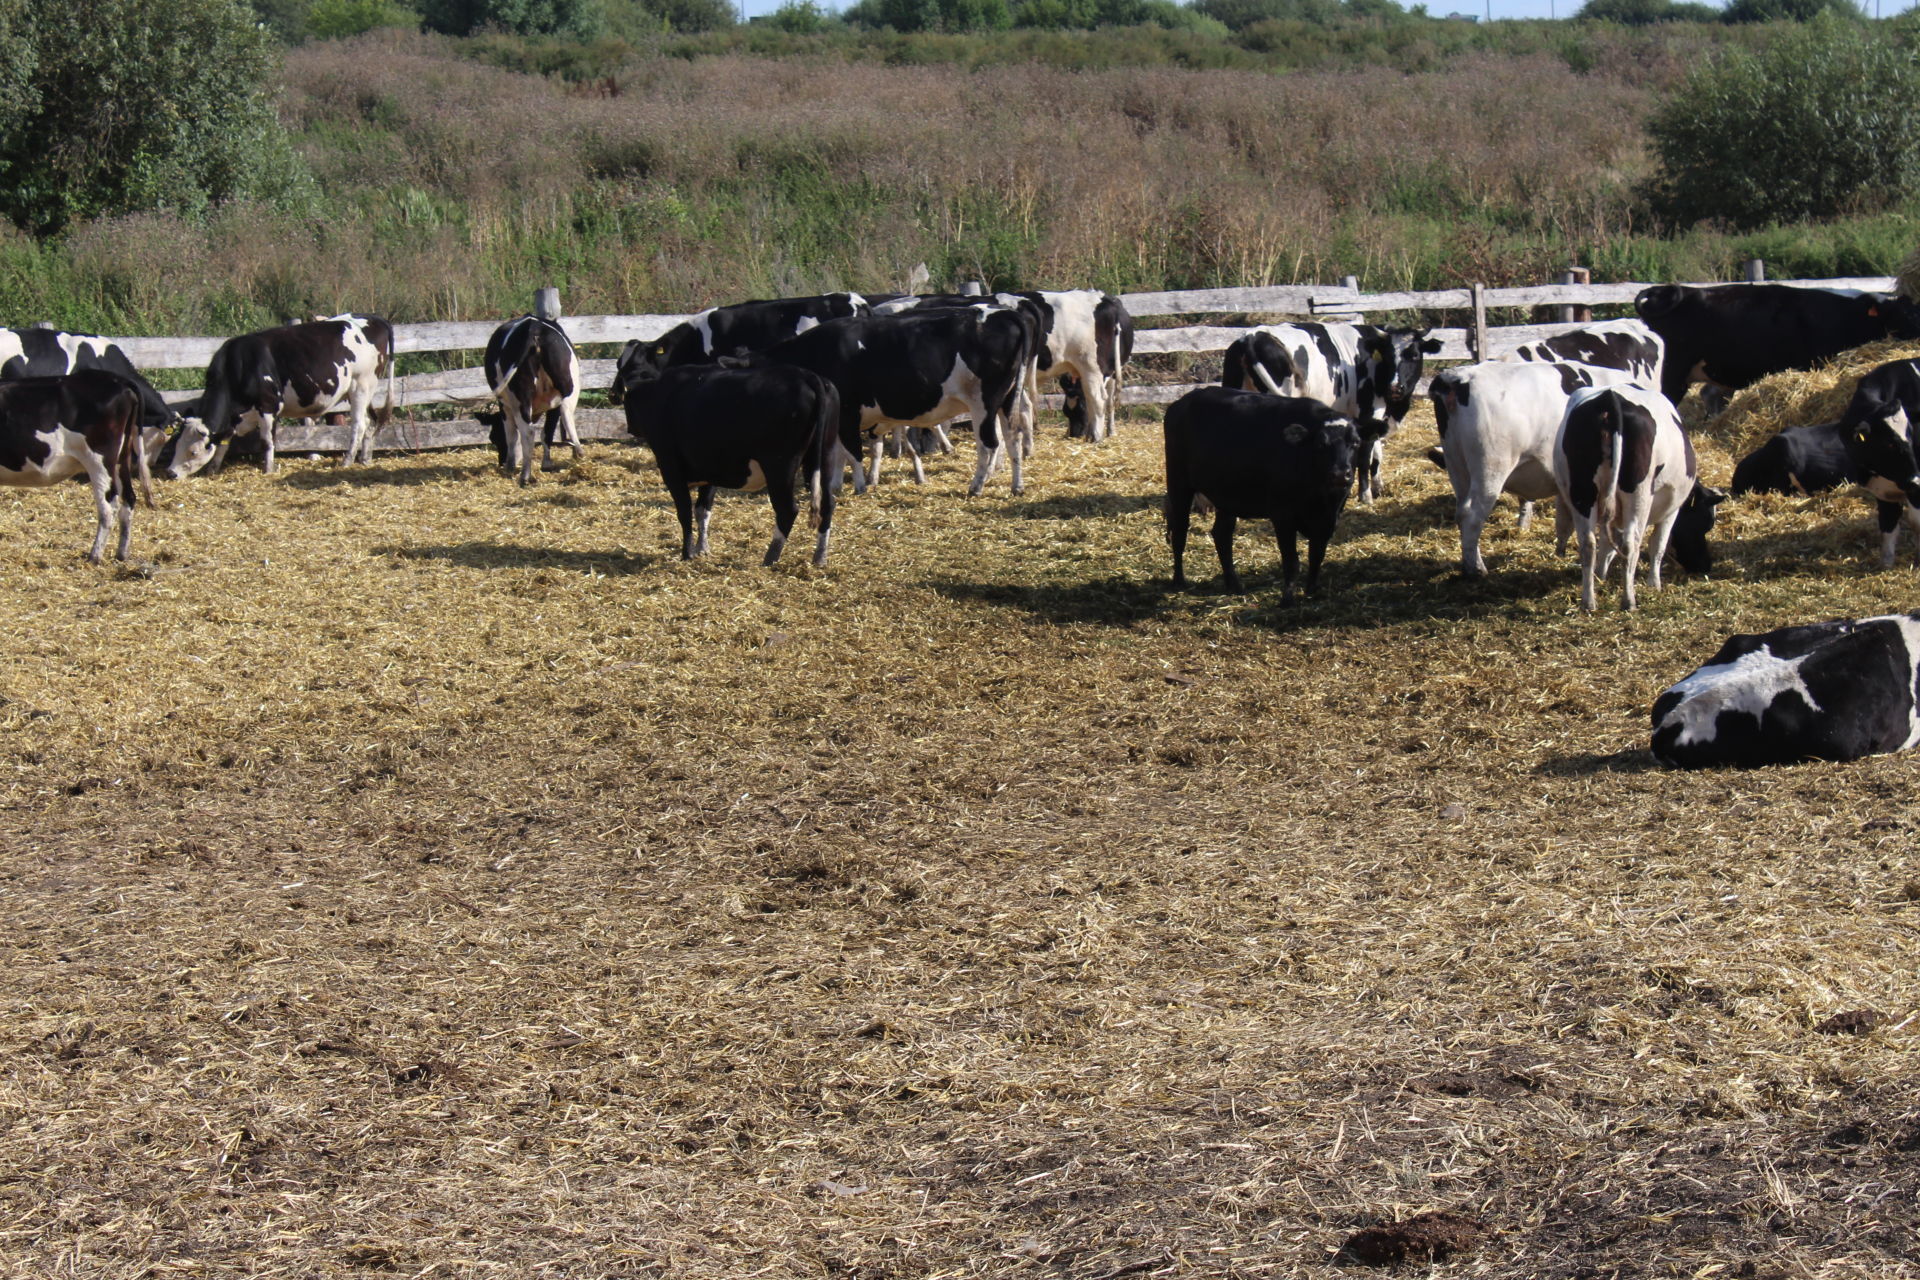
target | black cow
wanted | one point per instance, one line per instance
(533, 372)
(88, 421)
(1733, 335)
(1798, 460)
(1878, 427)
(1258, 457)
(918, 369)
(1829, 691)
(297, 371)
(739, 329)
(738, 428)
(1366, 372)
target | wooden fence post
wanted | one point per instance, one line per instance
(1478, 339)
(1754, 269)
(1572, 312)
(546, 303)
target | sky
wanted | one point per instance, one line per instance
(1501, 8)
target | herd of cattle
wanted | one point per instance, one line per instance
(758, 395)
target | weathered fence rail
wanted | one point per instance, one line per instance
(468, 386)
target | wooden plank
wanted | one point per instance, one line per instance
(1284, 299)
(1199, 337)
(168, 353)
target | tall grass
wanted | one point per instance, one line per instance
(453, 187)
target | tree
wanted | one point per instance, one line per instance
(1628, 13)
(123, 105)
(1824, 118)
(578, 19)
(1786, 10)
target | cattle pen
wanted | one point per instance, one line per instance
(467, 386)
(410, 874)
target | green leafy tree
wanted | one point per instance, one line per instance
(802, 17)
(1628, 13)
(333, 19)
(124, 105)
(576, 19)
(1825, 118)
(1787, 10)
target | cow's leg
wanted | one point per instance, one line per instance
(1223, 525)
(1289, 540)
(780, 493)
(1179, 517)
(266, 440)
(1562, 527)
(876, 453)
(523, 433)
(101, 481)
(1632, 537)
(703, 513)
(1526, 516)
(1662, 533)
(219, 458)
(823, 501)
(1093, 390)
(1589, 593)
(1889, 513)
(683, 508)
(1472, 512)
(1316, 555)
(1912, 515)
(988, 449)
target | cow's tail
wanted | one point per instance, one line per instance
(385, 415)
(826, 434)
(1606, 500)
(133, 458)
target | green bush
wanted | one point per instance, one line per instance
(1628, 13)
(802, 17)
(126, 105)
(1824, 119)
(1786, 10)
(335, 19)
(578, 19)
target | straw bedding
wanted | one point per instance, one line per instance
(411, 875)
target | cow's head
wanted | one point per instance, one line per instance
(1902, 316)
(1879, 440)
(496, 424)
(186, 450)
(1394, 360)
(1341, 443)
(639, 362)
(1691, 526)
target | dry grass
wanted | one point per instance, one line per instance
(1798, 398)
(411, 875)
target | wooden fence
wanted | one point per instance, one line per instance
(1475, 340)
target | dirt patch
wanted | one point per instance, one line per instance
(1426, 1237)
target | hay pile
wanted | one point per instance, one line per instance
(410, 875)
(1798, 397)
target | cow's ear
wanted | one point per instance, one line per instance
(1713, 496)
(1431, 346)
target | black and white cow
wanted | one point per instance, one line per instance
(1827, 691)
(533, 372)
(1499, 421)
(48, 353)
(296, 370)
(1733, 335)
(1366, 372)
(1879, 427)
(52, 429)
(755, 427)
(1799, 460)
(739, 329)
(1624, 466)
(1257, 456)
(1085, 335)
(921, 368)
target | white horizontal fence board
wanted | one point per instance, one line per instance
(1291, 299)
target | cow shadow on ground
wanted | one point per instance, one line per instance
(496, 555)
(376, 475)
(1091, 506)
(1587, 763)
(1361, 594)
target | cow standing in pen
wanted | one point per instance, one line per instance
(52, 429)
(1624, 467)
(1878, 429)
(296, 371)
(753, 428)
(1255, 456)
(533, 372)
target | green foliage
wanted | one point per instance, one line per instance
(1629, 13)
(120, 105)
(802, 17)
(287, 19)
(1787, 10)
(578, 19)
(1823, 119)
(932, 15)
(335, 19)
